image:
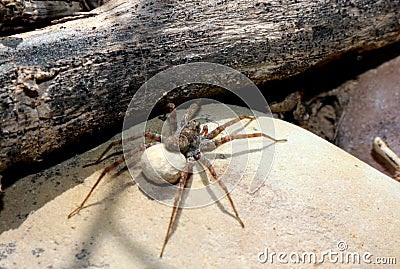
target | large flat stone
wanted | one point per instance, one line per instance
(315, 196)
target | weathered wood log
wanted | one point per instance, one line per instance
(36, 10)
(74, 79)
(23, 15)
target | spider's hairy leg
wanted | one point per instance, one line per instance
(223, 140)
(149, 135)
(182, 183)
(221, 128)
(190, 112)
(210, 168)
(110, 146)
(105, 171)
(172, 118)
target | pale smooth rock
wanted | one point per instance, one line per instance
(160, 165)
(316, 199)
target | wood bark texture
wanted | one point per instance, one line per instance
(23, 15)
(74, 79)
(19, 15)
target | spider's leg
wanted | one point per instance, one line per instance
(172, 118)
(204, 131)
(223, 140)
(110, 146)
(149, 135)
(207, 163)
(190, 112)
(219, 129)
(182, 183)
(105, 171)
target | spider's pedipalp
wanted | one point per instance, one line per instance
(204, 131)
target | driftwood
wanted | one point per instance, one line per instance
(382, 149)
(75, 79)
(23, 15)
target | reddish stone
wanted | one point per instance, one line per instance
(373, 110)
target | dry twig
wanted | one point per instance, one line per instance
(383, 150)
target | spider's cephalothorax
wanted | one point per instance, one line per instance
(189, 140)
(185, 139)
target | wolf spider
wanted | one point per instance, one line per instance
(190, 140)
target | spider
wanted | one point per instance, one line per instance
(190, 140)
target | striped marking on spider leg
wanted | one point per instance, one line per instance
(223, 140)
(207, 163)
(149, 135)
(178, 196)
(221, 128)
(105, 171)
